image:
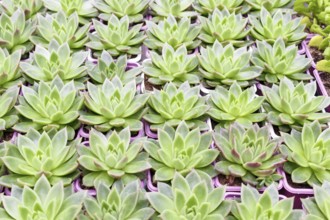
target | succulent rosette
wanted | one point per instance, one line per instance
(117, 37)
(30, 7)
(10, 73)
(8, 116)
(270, 5)
(107, 67)
(279, 61)
(248, 153)
(36, 154)
(173, 32)
(235, 105)
(134, 9)
(290, 105)
(180, 150)
(15, 31)
(206, 7)
(42, 202)
(84, 8)
(225, 65)
(56, 61)
(173, 105)
(61, 28)
(113, 105)
(49, 106)
(270, 27)
(266, 205)
(191, 197)
(112, 157)
(307, 154)
(177, 8)
(226, 27)
(317, 206)
(173, 65)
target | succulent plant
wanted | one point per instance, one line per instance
(177, 8)
(49, 106)
(193, 197)
(180, 151)
(317, 206)
(120, 202)
(226, 27)
(294, 105)
(116, 37)
(206, 7)
(15, 31)
(307, 154)
(174, 65)
(114, 105)
(173, 105)
(30, 7)
(84, 8)
(61, 28)
(107, 68)
(314, 9)
(10, 73)
(172, 32)
(279, 61)
(235, 104)
(8, 116)
(134, 9)
(270, 5)
(36, 154)
(322, 42)
(267, 205)
(270, 27)
(248, 153)
(224, 65)
(112, 157)
(42, 202)
(57, 61)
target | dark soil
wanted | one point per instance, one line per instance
(295, 185)
(229, 180)
(148, 86)
(325, 77)
(316, 54)
(7, 136)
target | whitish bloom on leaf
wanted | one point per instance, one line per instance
(43, 202)
(114, 105)
(30, 7)
(112, 157)
(180, 150)
(173, 105)
(10, 73)
(36, 154)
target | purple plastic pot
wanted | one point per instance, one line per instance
(238, 188)
(7, 191)
(150, 184)
(293, 190)
(148, 131)
(78, 187)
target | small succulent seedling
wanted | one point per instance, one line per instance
(36, 154)
(112, 157)
(192, 197)
(174, 65)
(117, 37)
(173, 105)
(114, 106)
(225, 65)
(42, 202)
(177, 8)
(226, 27)
(235, 104)
(180, 151)
(250, 154)
(307, 154)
